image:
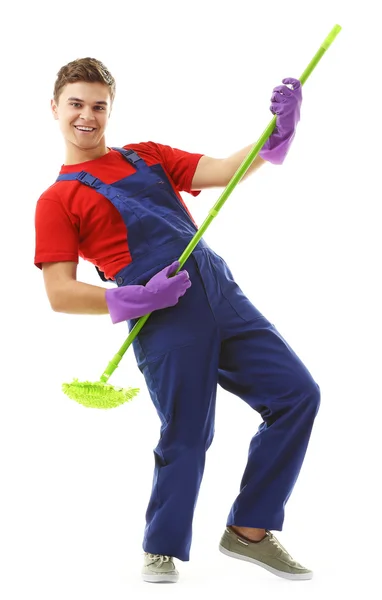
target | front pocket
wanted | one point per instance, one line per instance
(234, 295)
(176, 326)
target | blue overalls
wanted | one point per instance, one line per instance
(214, 335)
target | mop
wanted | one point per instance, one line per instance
(101, 394)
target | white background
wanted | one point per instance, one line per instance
(303, 241)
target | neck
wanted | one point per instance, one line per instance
(75, 155)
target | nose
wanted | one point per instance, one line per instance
(86, 113)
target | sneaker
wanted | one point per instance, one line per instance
(268, 553)
(159, 568)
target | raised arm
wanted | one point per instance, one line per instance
(286, 102)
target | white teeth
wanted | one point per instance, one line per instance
(84, 128)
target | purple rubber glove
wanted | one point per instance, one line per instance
(285, 105)
(133, 301)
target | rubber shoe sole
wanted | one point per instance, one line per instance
(294, 576)
(160, 577)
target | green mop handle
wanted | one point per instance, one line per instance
(224, 196)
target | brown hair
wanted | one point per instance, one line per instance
(87, 69)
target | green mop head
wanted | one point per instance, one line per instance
(99, 394)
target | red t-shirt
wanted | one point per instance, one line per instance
(73, 220)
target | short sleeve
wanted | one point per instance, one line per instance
(180, 165)
(57, 237)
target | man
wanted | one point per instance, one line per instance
(121, 209)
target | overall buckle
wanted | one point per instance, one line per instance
(87, 179)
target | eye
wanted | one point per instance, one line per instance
(77, 105)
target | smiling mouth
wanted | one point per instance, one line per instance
(85, 129)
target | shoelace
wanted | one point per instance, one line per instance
(160, 558)
(281, 548)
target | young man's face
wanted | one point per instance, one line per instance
(83, 112)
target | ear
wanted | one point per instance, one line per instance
(53, 106)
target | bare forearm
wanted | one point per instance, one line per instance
(233, 162)
(80, 298)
